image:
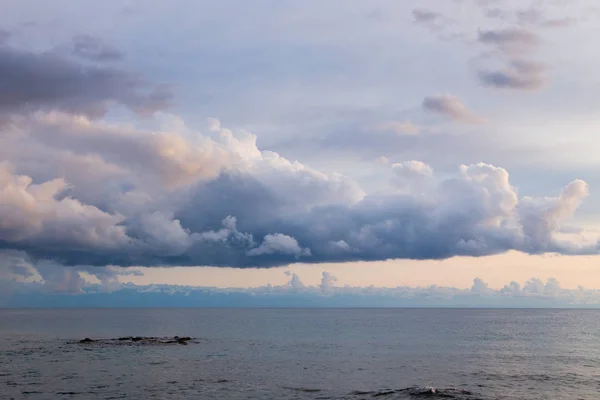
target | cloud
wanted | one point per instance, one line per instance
(46, 81)
(520, 75)
(411, 175)
(78, 191)
(530, 17)
(165, 156)
(437, 23)
(94, 49)
(279, 243)
(295, 284)
(510, 40)
(540, 216)
(37, 213)
(450, 107)
(496, 13)
(480, 287)
(559, 22)
(58, 287)
(425, 16)
(399, 128)
(4, 36)
(327, 283)
(158, 198)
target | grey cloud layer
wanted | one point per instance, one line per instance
(512, 46)
(47, 81)
(94, 49)
(510, 40)
(519, 73)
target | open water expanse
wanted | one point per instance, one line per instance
(300, 354)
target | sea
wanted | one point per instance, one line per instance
(301, 354)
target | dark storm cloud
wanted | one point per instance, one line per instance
(46, 81)
(94, 49)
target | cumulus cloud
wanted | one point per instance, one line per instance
(34, 213)
(249, 207)
(166, 156)
(295, 284)
(480, 287)
(279, 243)
(412, 169)
(541, 216)
(412, 176)
(450, 107)
(255, 207)
(47, 81)
(94, 49)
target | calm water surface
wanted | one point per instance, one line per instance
(302, 354)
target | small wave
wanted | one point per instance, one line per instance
(418, 392)
(304, 390)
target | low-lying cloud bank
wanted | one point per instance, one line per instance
(533, 293)
(77, 190)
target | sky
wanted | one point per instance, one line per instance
(328, 150)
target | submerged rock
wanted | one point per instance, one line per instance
(86, 340)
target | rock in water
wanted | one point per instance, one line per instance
(140, 340)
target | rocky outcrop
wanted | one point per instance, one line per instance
(139, 340)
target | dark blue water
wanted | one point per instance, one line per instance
(301, 353)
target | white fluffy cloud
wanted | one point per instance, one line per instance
(412, 169)
(39, 215)
(279, 243)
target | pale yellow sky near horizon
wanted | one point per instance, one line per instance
(498, 270)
